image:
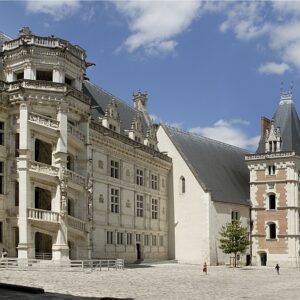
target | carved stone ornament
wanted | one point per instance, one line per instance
(128, 204)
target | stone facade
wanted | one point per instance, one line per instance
(72, 186)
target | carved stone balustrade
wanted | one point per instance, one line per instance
(76, 178)
(43, 168)
(44, 121)
(76, 223)
(46, 86)
(76, 132)
(49, 42)
(43, 215)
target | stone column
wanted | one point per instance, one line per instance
(58, 75)
(25, 242)
(29, 72)
(60, 249)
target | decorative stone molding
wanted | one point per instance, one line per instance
(44, 121)
(43, 168)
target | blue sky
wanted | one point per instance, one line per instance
(210, 67)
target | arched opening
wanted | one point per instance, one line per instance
(43, 246)
(272, 201)
(70, 162)
(182, 185)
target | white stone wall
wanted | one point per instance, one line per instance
(191, 209)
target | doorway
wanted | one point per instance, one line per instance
(138, 252)
(263, 259)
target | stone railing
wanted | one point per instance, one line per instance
(76, 223)
(43, 120)
(76, 132)
(76, 178)
(48, 42)
(43, 168)
(45, 86)
(43, 215)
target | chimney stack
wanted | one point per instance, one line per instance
(264, 123)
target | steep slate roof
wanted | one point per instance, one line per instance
(219, 168)
(100, 100)
(3, 38)
(287, 119)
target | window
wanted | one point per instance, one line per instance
(146, 240)
(44, 75)
(272, 231)
(129, 238)
(138, 237)
(100, 164)
(272, 201)
(154, 209)
(161, 241)
(139, 177)
(109, 237)
(271, 170)
(139, 205)
(69, 81)
(182, 185)
(16, 193)
(137, 139)
(153, 240)
(1, 177)
(235, 216)
(154, 182)
(113, 128)
(114, 169)
(17, 144)
(120, 238)
(1, 133)
(114, 200)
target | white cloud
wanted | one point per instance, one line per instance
(58, 9)
(229, 132)
(274, 68)
(154, 25)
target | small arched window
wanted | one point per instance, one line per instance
(272, 201)
(272, 231)
(182, 185)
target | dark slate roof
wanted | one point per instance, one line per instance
(3, 38)
(219, 168)
(286, 118)
(101, 98)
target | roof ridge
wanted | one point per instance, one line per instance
(196, 135)
(113, 96)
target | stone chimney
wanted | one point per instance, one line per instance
(264, 123)
(140, 101)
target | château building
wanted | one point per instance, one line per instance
(80, 172)
(274, 188)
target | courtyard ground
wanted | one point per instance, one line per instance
(160, 281)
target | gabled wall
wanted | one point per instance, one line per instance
(191, 209)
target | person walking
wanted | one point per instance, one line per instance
(205, 268)
(277, 268)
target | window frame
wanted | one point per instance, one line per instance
(109, 237)
(154, 182)
(139, 173)
(154, 208)
(140, 205)
(114, 169)
(2, 133)
(114, 200)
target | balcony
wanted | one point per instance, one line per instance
(43, 215)
(43, 171)
(75, 180)
(45, 122)
(76, 136)
(76, 224)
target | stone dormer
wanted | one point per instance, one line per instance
(136, 130)
(111, 119)
(151, 139)
(273, 138)
(140, 103)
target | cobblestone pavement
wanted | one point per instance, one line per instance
(165, 281)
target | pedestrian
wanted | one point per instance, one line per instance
(277, 268)
(4, 253)
(205, 268)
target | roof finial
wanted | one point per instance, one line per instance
(286, 96)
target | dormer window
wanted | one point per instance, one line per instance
(273, 139)
(20, 76)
